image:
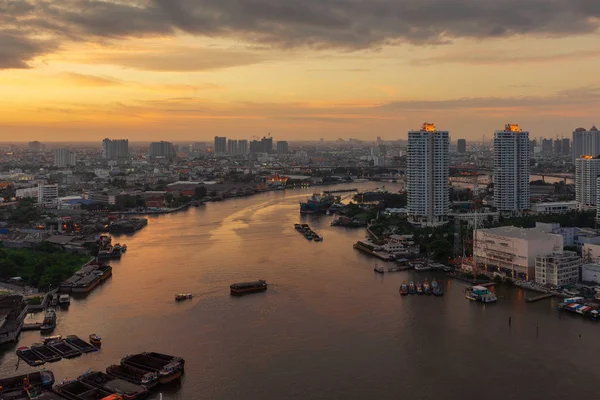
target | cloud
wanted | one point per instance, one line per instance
(318, 24)
(493, 58)
(91, 80)
(338, 70)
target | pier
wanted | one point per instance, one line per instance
(32, 327)
(540, 297)
(383, 270)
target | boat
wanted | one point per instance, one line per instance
(297, 227)
(404, 289)
(124, 248)
(133, 375)
(63, 349)
(248, 287)
(436, 290)
(78, 390)
(317, 204)
(54, 300)
(480, 293)
(183, 296)
(49, 339)
(426, 288)
(95, 339)
(80, 344)
(318, 238)
(168, 370)
(45, 353)
(31, 358)
(373, 195)
(49, 322)
(64, 300)
(419, 288)
(121, 387)
(411, 288)
(23, 383)
(379, 269)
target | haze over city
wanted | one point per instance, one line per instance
(81, 70)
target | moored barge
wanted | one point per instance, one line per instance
(77, 390)
(133, 375)
(167, 370)
(79, 344)
(37, 380)
(31, 358)
(127, 390)
(248, 287)
(45, 352)
(62, 348)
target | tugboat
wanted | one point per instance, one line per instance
(436, 289)
(49, 322)
(95, 339)
(411, 288)
(419, 288)
(183, 296)
(426, 288)
(404, 289)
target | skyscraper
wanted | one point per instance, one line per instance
(461, 146)
(113, 149)
(64, 158)
(511, 169)
(547, 146)
(587, 170)
(267, 143)
(427, 175)
(282, 147)
(220, 145)
(566, 146)
(162, 150)
(243, 146)
(558, 146)
(586, 143)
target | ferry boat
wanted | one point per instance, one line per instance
(411, 288)
(45, 353)
(248, 287)
(317, 204)
(168, 370)
(49, 322)
(118, 386)
(480, 293)
(31, 358)
(404, 289)
(426, 288)
(419, 288)
(95, 339)
(133, 375)
(183, 296)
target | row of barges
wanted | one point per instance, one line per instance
(87, 278)
(579, 305)
(307, 232)
(55, 348)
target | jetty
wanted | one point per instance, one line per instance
(540, 297)
(383, 270)
(36, 326)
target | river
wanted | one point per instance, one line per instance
(327, 328)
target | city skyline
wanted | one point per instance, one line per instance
(181, 70)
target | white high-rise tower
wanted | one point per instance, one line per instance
(511, 169)
(587, 171)
(427, 176)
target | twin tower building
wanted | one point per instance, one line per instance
(428, 172)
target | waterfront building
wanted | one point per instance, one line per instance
(461, 146)
(587, 170)
(220, 145)
(585, 142)
(512, 251)
(557, 269)
(511, 169)
(282, 147)
(556, 207)
(47, 194)
(113, 149)
(590, 273)
(64, 158)
(427, 176)
(162, 150)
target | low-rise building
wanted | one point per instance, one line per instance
(558, 269)
(557, 207)
(590, 273)
(47, 194)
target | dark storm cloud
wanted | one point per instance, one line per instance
(16, 50)
(320, 24)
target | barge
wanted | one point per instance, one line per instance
(133, 375)
(248, 287)
(62, 348)
(45, 353)
(31, 358)
(183, 296)
(76, 390)
(37, 380)
(79, 344)
(86, 279)
(123, 388)
(167, 370)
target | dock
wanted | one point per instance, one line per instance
(489, 284)
(540, 297)
(32, 327)
(383, 270)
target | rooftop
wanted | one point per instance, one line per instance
(518, 233)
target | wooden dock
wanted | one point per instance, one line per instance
(32, 327)
(540, 297)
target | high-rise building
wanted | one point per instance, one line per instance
(113, 149)
(427, 175)
(586, 143)
(162, 150)
(232, 147)
(35, 146)
(461, 146)
(511, 169)
(587, 170)
(547, 146)
(282, 147)
(220, 145)
(558, 146)
(64, 158)
(243, 146)
(267, 144)
(47, 193)
(566, 146)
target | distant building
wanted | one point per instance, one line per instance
(31, 192)
(585, 143)
(64, 158)
(162, 150)
(511, 169)
(557, 207)
(282, 147)
(587, 170)
(547, 146)
(461, 146)
(113, 149)
(243, 146)
(232, 146)
(35, 146)
(47, 194)
(590, 273)
(267, 143)
(427, 175)
(220, 145)
(566, 146)
(558, 146)
(557, 269)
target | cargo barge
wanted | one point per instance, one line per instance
(76, 390)
(63, 349)
(167, 370)
(127, 390)
(31, 358)
(133, 375)
(86, 279)
(45, 352)
(79, 344)
(248, 287)
(20, 383)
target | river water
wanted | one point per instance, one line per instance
(327, 328)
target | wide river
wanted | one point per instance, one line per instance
(327, 328)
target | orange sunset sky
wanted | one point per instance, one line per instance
(82, 70)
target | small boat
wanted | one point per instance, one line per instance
(248, 287)
(183, 296)
(436, 290)
(124, 248)
(49, 322)
(379, 269)
(298, 227)
(480, 293)
(411, 288)
(419, 288)
(31, 358)
(64, 300)
(404, 289)
(95, 339)
(49, 339)
(54, 300)
(426, 288)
